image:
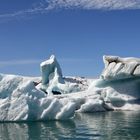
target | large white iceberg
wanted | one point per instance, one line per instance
(55, 97)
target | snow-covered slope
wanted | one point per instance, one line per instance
(55, 97)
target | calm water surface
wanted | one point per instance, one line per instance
(96, 126)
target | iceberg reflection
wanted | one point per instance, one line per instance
(105, 125)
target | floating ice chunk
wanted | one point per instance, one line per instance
(118, 89)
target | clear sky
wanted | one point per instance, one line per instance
(78, 32)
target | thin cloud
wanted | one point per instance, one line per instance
(19, 62)
(23, 13)
(75, 60)
(48, 5)
(38, 61)
(96, 4)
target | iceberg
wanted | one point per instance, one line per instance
(56, 97)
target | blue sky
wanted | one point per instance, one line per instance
(78, 32)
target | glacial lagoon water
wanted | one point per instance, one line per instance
(94, 126)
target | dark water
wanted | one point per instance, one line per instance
(97, 126)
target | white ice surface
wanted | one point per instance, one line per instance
(119, 68)
(53, 80)
(22, 98)
(50, 69)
